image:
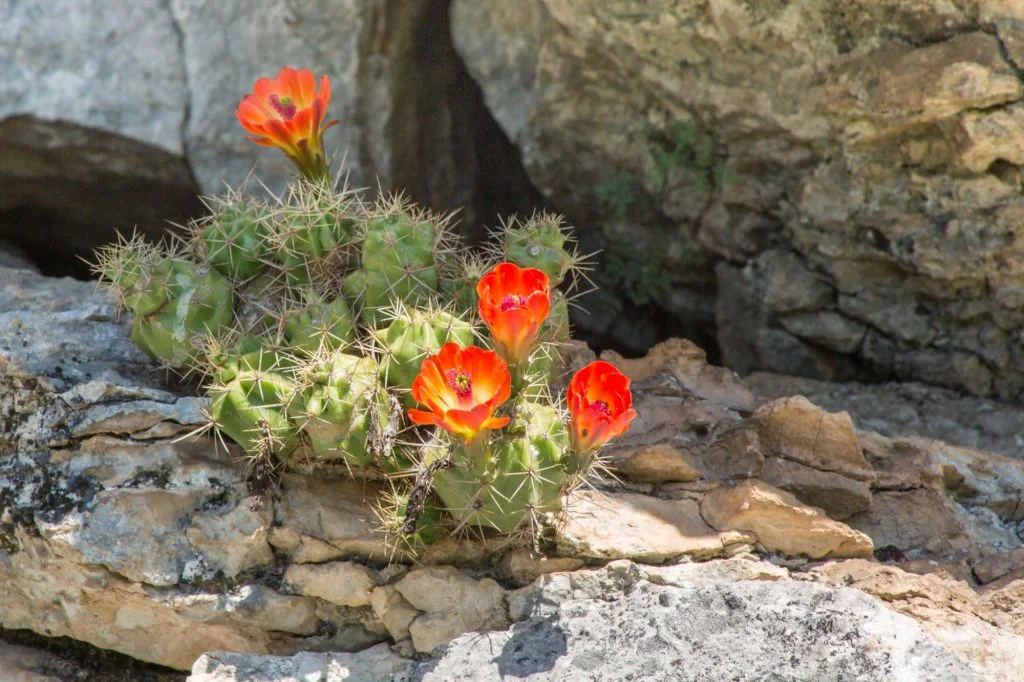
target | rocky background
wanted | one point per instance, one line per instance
(825, 196)
(743, 535)
(820, 188)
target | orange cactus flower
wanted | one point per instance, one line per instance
(462, 387)
(600, 404)
(513, 303)
(288, 113)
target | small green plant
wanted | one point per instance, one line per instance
(639, 273)
(682, 146)
(617, 195)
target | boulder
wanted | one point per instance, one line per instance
(135, 104)
(123, 529)
(839, 183)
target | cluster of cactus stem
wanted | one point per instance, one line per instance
(307, 318)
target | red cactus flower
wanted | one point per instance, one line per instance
(288, 112)
(600, 404)
(462, 387)
(513, 303)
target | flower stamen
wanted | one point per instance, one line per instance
(460, 382)
(512, 301)
(284, 106)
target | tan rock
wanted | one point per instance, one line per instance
(639, 527)
(902, 463)
(235, 541)
(688, 363)
(744, 567)
(657, 463)
(794, 428)
(453, 604)
(901, 85)
(972, 626)
(781, 522)
(393, 610)
(343, 523)
(993, 136)
(839, 496)
(132, 532)
(254, 607)
(698, 431)
(994, 567)
(921, 523)
(94, 605)
(523, 566)
(339, 582)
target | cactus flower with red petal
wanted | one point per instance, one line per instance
(462, 387)
(513, 302)
(288, 113)
(600, 404)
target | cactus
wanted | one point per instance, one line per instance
(234, 238)
(320, 326)
(413, 335)
(398, 263)
(518, 478)
(180, 303)
(338, 306)
(308, 230)
(540, 243)
(341, 409)
(251, 395)
(458, 284)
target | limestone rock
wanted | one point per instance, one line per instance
(136, 104)
(688, 364)
(948, 610)
(797, 430)
(343, 525)
(702, 632)
(339, 582)
(393, 610)
(658, 463)
(814, 147)
(524, 566)
(377, 664)
(453, 604)
(781, 523)
(838, 495)
(631, 526)
(236, 541)
(908, 409)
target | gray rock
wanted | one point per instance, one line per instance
(909, 409)
(740, 631)
(377, 664)
(136, 104)
(864, 157)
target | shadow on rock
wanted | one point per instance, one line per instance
(535, 646)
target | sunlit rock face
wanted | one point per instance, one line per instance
(834, 187)
(120, 530)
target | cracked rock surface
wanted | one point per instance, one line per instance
(121, 530)
(834, 186)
